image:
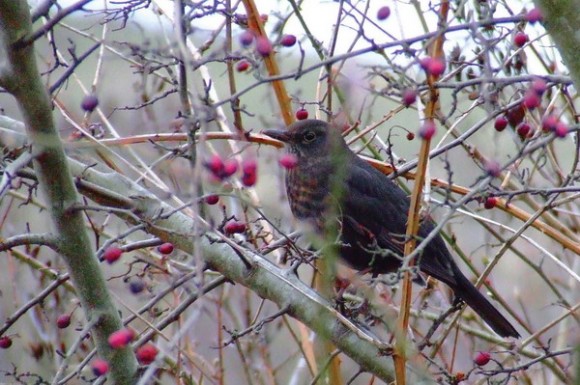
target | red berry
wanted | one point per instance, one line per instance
(249, 175)
(520, 39)
(501, 123)
(288, 40)
(121, 338)
(89, 103)
(549, 123)
(561, 130)
(425, 63)
(5, 342)
(288, 161)
(63, 321)
(410, 136)
(249, 166)
(427, 130)
(230, 168)
(516, 115)
(524, 130)
(212, 199)
(166, 248)
(432, 66)
(301, 114)
(249, 180)
(534, 15)
(215, 165)
(436, 67)
(409, 97)
(383, 13)
(100, 367)
(490, 203)
(263, 46)
(246, 38)
(242, 65)
(112, 254)
(531, 100)
(492, 168)
(482, 358)
(539, 86)
(234, 227)
(146, 354)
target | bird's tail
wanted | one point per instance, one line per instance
(477, 301)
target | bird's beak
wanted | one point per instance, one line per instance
(281, 135)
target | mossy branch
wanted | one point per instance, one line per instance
(20, 77)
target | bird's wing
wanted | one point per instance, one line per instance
(381, 207)
(372, 203)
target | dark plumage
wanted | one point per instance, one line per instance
(372, 211)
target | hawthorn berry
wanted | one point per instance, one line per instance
(215, 164)
(234, 227)
(424, 63)
(121, 338)
(561, 130)
(263, 46)
(531, 100)
(100, 367)
(524, 130)
(89, 103)
(383, 13)
(534, 15)
(5, 342)
(212, 199)
(301, 114)
(436, 67)
(490, 203)
(165, 248)
(63, 321)
(112, 254)
(146, 354)
(288, 40)
(549, 123)
(427, 130)
(249, 166)
(249, 180)
(432, 66)
(249, 174)
(539, 86)
(500, 123)
(246, 38)
(409, 97)
(230, 168)
(516, 115)
(520, 39)
(482, 358)
(242, 65)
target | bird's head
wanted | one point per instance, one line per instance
(310, 138)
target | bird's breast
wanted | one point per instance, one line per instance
(307, 193)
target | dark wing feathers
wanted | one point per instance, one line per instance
(369, 191)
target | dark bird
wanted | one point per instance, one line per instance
(372, 212)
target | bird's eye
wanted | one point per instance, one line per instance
(309, 137)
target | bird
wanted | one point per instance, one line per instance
(371, 211)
